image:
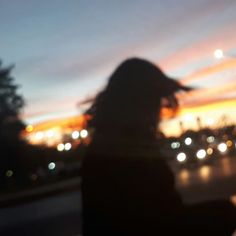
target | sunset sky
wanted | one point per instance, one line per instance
(64, 51)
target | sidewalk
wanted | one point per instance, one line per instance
(58, 214)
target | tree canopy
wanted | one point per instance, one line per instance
(11, 104)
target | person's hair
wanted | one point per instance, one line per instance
(131, 100)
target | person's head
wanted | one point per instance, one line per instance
(132, 98)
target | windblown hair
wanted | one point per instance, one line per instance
(132, 99)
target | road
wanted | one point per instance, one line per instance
(60, 214)
(207, 182)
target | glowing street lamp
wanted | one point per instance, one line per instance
(60, 147)
(75, 134)
(29, 128)
(51, 166)
(83, 133)
(188, 141)
(68, 146)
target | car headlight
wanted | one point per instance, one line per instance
(222, 147)
(201, 154)
(181, 157)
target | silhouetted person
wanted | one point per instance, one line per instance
(127, 187)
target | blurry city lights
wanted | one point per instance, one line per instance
(184, 176)
(84, 133)
(205, 173)
(209, 151)
(210, 121)
(201, 154)
(175, 145)
(50, 133)
(188, 141)
(218, 54)
(227, 167)
(188, 118)
(60, 147)
(29, 128)
(210, 139)
(75, 134)
(68, 146)
(9, 173)
(233, 200)
(39, 135)
(181, 157)
(229, 143)
(222, 147)
(51, 166)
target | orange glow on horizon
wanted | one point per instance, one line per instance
(210, 114)
(206, 111)
(29, 128)
(78, 121)
(204, 108)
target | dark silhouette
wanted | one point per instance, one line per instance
(11, 104)
(127, 186)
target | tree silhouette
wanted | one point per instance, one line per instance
(11, 103)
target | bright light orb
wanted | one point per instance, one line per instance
(60, 147)
(39, 135)
(210, 121)
(218, 54)
(229, 143)
(188, 141)
(201, 154)
(175, 145)
(188, 118)
(181, 157)
(75, 134)
(222, 147)
(51, 166)
(209, 151)
(84, 133)
(50, 133)
(68, 146)
(29, 128)
(210, 139)
(9, 173)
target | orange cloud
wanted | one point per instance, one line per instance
(219, 107)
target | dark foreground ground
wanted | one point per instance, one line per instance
(59, 213)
